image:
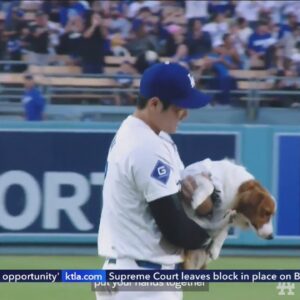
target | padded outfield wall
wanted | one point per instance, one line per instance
(51, 176)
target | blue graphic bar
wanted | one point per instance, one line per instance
(83, 276)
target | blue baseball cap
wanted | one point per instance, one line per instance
(172, 83)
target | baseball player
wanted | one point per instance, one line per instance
(143, 224)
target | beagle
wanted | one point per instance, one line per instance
(227, 192)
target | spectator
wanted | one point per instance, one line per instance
(288, 81)
(291, 25)
(272, 9)
(198, 41)
(33, 101)
(13, 37)
(280, 60)
(55, 31)
(292, 7)
(37, 38)
(118, 24)
(289, 35)
(295, 57)
(145, 60)
(53, 9)
(93, 45)
(11, 7)
(144, 14)
(240, 33)
(217, 28)
(125, 80)
(196, 10)
(261, 44)
(162, 34)
(72, 39)
(222, 7)
(140, 41)
(73, 8)
(230, 50)
(154, 5)
(174, 39)
(223, 81)
(249, 10)
(182, 54)
(14, 26)
(152, 26)
(243, 33)
(135, 6)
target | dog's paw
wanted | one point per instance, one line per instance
(214, 253)
(230, 216)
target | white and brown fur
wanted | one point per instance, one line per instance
(243, 202)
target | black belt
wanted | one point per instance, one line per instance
(146, 264)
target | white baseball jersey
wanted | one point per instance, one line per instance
(142, 166)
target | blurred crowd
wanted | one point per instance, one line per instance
(208, 37)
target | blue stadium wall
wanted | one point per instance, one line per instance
(51, 176)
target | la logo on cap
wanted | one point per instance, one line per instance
(192, 80)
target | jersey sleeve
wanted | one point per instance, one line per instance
(154, 173)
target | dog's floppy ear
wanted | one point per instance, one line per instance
(249, 199)
(248, 185)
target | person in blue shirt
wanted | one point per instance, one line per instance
(33, 101)
(261, 44)
(222, 63)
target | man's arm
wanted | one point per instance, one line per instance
(175, 225)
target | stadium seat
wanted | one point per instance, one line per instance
(117, 60)
(11, 78)
(253, 85)
(54, 69)
(249, 74)
(111, 70)
(79, 82)
(60, 59)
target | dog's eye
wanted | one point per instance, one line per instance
(265, 214)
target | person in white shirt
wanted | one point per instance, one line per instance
(196, 10)
(273, 9)
(292, 7)
(217, 28)
(135, 6)
(249, 10)
(143, 224)
(240, 32)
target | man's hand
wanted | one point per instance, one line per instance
(188, 187)
(202, 194)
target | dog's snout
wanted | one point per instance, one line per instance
(270, 237)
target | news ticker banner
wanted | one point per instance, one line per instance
(153, 276)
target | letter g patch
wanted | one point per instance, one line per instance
(161, 172)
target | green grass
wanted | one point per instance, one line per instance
(81, 291)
